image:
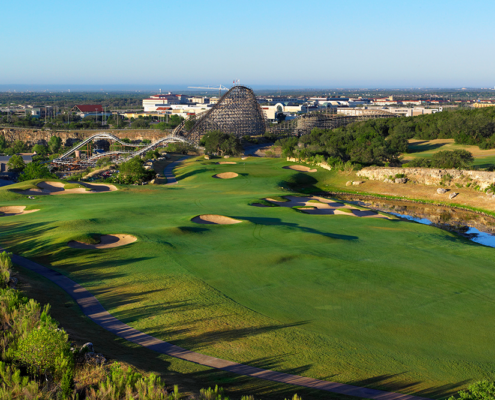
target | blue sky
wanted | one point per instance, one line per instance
(420, 43)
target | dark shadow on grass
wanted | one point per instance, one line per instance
(416, 148)
(197, 171)
(279, 222)
(197, 341)
(393, 383)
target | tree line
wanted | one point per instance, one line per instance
(382, 141)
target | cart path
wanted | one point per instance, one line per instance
(92, 308)
(168, 172)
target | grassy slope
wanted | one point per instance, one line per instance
(426, 148)
(337, 297)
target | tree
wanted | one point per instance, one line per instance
(35, 170)
(19, 146)
(54, 144)
(140, 123)
(221, 143)
(452, 159)
(16, 163)
(40, 150)
(132, 171)
(3, 142)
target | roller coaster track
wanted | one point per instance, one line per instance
(119, 155)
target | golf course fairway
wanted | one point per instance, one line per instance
(373, 302)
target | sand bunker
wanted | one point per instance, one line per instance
(55, 188)
(106, 242)
(227, 162)
(324, 207)
(300, 168)
(226, 175)
(214, 219)
(14, 210)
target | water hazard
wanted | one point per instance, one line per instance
(476, 227)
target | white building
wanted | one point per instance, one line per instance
(159, 100)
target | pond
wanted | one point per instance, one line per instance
(476, 227)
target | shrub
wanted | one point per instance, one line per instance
(45, 350)
(482, 390)
(36, 170)
(5, 269)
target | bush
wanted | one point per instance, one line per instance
(5, 269)
(35, 170)
(44, 351)
(482, 390)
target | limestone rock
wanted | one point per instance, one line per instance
(87, 348)
(357, 183)
(348, 183)
(400, 180)
(441, 190)
(388, 181)
(226, 156)
(452, 195)
(152, 182)
(207, 157)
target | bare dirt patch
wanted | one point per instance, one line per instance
(106, 242)
(300, 168)
(226, 175)
(14, 210)
(214, 219)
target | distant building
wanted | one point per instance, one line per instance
(40, 111)
(85, 110)
(159, 100)
(483, 104)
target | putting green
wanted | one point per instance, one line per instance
(368, 301)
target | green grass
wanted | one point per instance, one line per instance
(68, 186)
(389, 304)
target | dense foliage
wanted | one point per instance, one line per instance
(381, 141)
(131, 172)
(35, 170)
(16, 163)
(219, 143)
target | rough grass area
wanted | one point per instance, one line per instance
(426, 148)
(388, 304)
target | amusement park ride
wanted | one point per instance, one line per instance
(237, 112)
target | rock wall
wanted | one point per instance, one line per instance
(323, 164)
(431, 176)
(35, 136)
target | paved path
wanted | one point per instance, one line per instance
(92, 308)
(168, 172)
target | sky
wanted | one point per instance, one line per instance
(312, 44)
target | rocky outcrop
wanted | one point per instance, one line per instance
(35, 136)
(452, 195)
(431, 176)
(441, 191)
(323, 164)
